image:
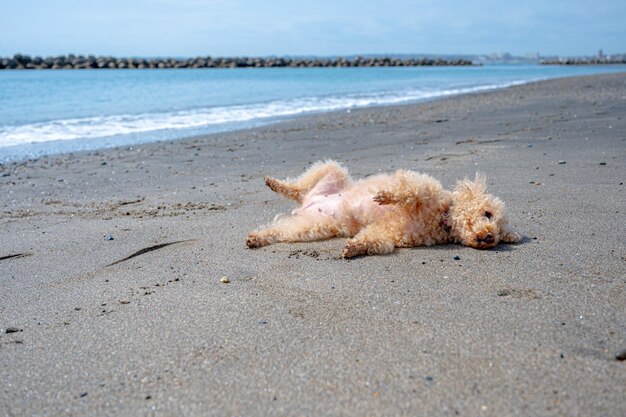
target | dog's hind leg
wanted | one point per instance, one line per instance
(325, 177)
(293, 229)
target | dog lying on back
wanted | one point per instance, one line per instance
(384, 212)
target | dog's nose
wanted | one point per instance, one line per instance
(488, 238)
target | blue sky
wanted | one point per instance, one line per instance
(303, 27)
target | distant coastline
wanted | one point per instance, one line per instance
(82, 61)
(20, 61)
(585, 61)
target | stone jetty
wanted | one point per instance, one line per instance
(20, 61)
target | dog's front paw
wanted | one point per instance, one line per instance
(255, 241)
(511, 237)
(384, 198)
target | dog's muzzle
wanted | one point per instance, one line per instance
(487, 239)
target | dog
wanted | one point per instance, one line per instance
(385, 211)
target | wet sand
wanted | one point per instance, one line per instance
(111, 267)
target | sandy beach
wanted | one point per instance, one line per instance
(111, 267)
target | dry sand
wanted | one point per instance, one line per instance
(527, 330)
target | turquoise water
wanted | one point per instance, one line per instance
(44, 112)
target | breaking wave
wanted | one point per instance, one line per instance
(211, 117)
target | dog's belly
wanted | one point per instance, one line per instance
(321, 205)
(363, 209)
(340, 205)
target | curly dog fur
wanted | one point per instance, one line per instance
(384, 212)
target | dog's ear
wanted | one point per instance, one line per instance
(470, 189)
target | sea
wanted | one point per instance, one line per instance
(45, 112)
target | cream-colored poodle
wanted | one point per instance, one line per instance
(385, 211)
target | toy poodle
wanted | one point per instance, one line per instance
(384, 212)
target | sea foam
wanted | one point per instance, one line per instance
(196, 119)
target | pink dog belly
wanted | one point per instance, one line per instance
(363, 207)
(322, 205)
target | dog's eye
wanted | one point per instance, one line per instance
(488, 215)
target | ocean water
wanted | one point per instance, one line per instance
(46, 112)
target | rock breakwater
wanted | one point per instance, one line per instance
(20, 61)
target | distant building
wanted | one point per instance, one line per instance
(533, 55)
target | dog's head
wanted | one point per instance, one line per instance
(476, 218)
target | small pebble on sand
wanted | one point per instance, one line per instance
(225, 280)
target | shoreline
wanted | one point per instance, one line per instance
(111, 299)
(258, 124)
(97, 144)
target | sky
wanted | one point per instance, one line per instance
(179, 28)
